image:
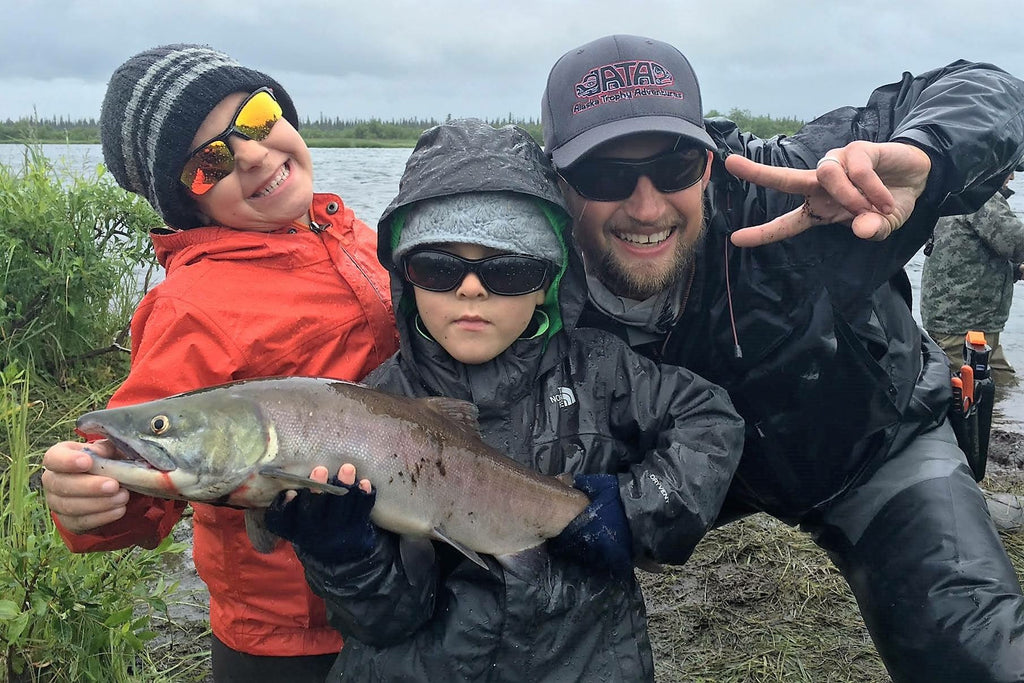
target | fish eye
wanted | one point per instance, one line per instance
(160, 424)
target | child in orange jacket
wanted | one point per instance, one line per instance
(264, 278)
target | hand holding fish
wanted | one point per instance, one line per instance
(870, 186)
(600, 535)
(329, 527)
(346, 477)
(81, 501)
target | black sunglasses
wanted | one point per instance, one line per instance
(612, 180)
(504, 274)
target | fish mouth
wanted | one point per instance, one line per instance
(138, 474)
(137, 452)
(154, 459)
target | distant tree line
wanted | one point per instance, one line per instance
(27, 130)
(338, 132)
(321, 132)
(762, 126)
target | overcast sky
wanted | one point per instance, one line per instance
(417, 58)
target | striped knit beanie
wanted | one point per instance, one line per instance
(154, 105)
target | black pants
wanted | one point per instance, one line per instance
(933, 582)
(232, 666)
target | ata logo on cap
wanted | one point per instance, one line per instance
(623, 81)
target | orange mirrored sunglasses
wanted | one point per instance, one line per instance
(213, 160)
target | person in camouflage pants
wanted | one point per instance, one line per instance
(968, 277)
(967, 284)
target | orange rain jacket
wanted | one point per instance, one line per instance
(238, 305)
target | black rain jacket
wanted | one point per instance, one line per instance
(566, 400)
(835, 374)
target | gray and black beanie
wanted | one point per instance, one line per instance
(508, 221)
(154, 105)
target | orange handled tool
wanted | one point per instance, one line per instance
(967, 378)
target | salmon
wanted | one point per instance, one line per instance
(241, 444)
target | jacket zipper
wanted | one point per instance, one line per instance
(362, 272)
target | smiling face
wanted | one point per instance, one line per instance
(472, 324)
(643, 244)
(272, 182)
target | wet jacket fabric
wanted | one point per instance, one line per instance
(823, 319)
(574, 401)
(237, 305)
(843, 395)
(967, 279)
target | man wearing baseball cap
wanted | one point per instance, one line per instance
(774, 268)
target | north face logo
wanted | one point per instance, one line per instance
(620, 75)
(563, 398)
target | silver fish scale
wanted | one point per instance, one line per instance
(429, 472)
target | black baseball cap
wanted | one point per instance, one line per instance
(615, 86)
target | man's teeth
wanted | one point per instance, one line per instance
(275, 183)
(634, 238)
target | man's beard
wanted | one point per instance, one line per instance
(632, 283)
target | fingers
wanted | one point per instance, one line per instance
(346, 475)
(790, 180)
(80, 501)
(71, 457)
(873, 226)
(872, 187)
(852, 181)
(66, 466)
(319, 474)
(79, 515)
(785, 226)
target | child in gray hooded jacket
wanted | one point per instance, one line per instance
(488, 288)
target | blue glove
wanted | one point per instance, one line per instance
(327, 527)
(600, 535)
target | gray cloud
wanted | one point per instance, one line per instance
(399, 58)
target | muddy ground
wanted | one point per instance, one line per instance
(757, 602)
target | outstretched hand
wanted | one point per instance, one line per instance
(870, 186)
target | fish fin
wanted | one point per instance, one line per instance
(460, 412)
(295, 481)
(527, 564)
(565, 478)
(440, 535)
(416, 551)
(262, 539)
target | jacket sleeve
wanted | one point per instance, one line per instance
(691, 439)
(968, 117)
(174, 349)
(379, 600)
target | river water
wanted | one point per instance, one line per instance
(367, 180)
